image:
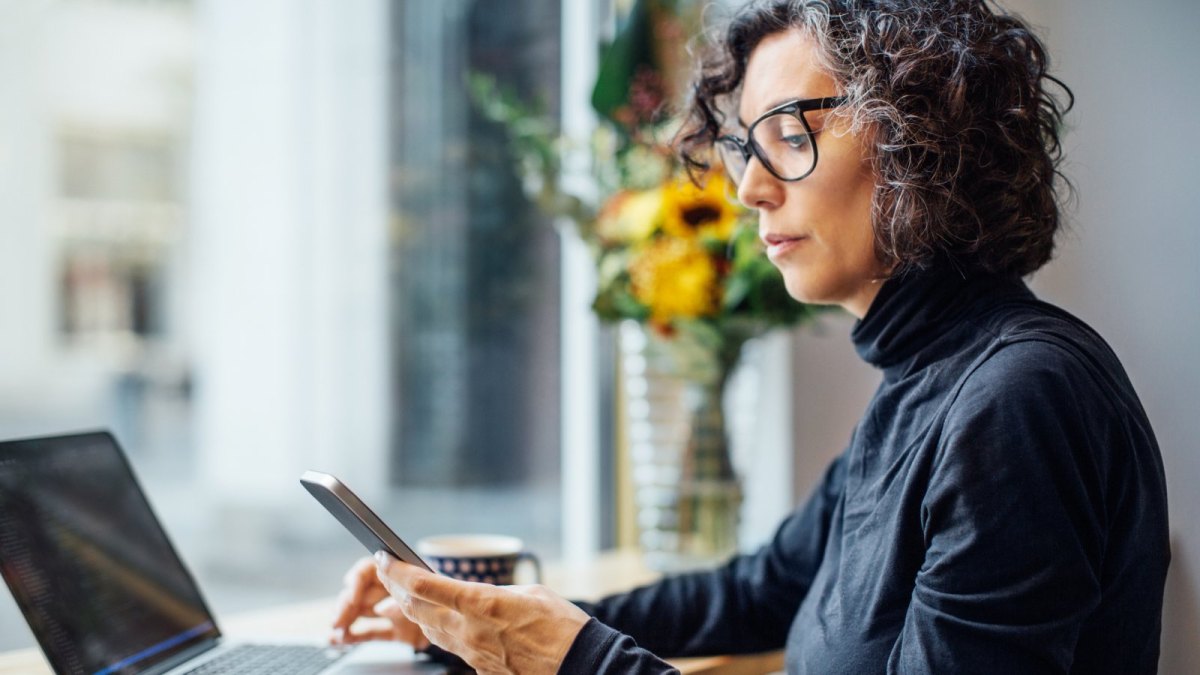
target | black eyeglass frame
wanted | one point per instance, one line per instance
(749, 148)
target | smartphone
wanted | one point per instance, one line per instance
(357, 517)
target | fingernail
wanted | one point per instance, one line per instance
(381, 557)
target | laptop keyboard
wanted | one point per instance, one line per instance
(268, 659)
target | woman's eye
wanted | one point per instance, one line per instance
(796, 141)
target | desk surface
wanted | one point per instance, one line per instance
(610, 573)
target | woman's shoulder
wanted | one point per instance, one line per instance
(1048, 400)
(1031, 340)
(1042, 362)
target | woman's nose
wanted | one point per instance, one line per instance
(758, 189)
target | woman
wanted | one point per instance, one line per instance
(1001, 505)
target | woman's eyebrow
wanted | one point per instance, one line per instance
(771, 106)
(775, 104)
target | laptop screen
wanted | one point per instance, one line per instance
(87, 561)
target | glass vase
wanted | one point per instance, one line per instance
(687, 494)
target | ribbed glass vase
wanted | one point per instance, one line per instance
(687, 495)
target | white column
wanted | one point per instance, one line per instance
(289, 244)
(580, 405)
(27, 279)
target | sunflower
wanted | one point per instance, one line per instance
(699, 212)
(675, 278)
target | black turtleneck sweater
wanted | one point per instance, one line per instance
(1001, 508)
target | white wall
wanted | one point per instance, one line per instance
(1130, 266)
(832, 388)
(290, 245)
(1129, 263)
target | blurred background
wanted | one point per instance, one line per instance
(253, 238)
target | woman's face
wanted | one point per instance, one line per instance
(817, 230)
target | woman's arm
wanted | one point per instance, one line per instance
(745, 606)
(602, 649)
(1015, 520)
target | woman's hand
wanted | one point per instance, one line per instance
(495, 629)
(364, 596)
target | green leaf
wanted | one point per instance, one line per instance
(628, 306)
(632, 47)
(737, 288)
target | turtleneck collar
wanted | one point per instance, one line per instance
(911, 310)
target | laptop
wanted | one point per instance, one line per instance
(103, 589)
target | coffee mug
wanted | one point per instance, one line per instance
(486, 558)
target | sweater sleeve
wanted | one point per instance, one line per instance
(746, 606)
(1013, 520)
(601, 649)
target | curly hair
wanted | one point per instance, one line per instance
(955, 98)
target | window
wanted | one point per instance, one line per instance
(472, 277)
(258, 238)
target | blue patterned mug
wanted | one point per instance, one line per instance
(487, 558)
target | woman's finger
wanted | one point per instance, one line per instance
(352, 637)
(440, 625)
(449, 643)
(429, 615)
(359, 579)
(402, 578)
(345, 614)
(405, 629)
(388, 608)
(358, 584)
(360, 569)
(351, 606)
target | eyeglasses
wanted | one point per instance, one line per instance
(780, 138)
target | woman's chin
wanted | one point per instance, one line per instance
(802, 290)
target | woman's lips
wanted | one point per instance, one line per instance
(779, 245)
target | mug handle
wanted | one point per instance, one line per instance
(530, 557)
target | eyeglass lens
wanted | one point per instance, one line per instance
(733, 159)
(783, 143)
(786, 145)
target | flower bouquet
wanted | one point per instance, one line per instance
(678, 261)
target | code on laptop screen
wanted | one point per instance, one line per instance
(88, 562)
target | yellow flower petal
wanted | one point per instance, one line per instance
(675, 278)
